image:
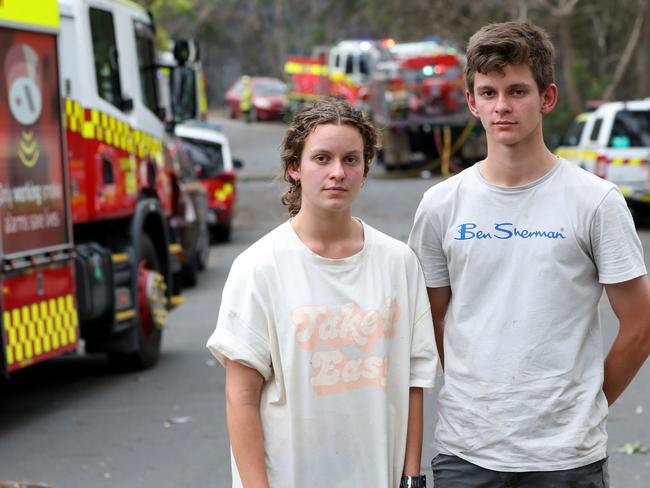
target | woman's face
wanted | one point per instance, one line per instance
(331, 169)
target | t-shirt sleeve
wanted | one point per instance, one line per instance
(424, 355)
(616, 247)
(242, 331)
(426, 241)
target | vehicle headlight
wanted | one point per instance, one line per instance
(262, 103)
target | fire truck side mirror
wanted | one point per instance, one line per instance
(237, 163)
(185, 51)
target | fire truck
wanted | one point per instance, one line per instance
(413, 93)
(88, 202)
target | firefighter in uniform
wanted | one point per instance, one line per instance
(246, 101)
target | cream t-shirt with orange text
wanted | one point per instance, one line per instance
(338, 342)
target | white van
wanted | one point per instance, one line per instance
(613, 142)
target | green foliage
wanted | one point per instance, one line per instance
(591, 87)
(557, 122)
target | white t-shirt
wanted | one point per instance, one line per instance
(338, 342)
(522, 340)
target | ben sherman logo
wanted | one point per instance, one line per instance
(504, 230)
(332, 370)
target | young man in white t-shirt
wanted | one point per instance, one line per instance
(516, 251)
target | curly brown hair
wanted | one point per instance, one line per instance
(325, 110)
(495, 46)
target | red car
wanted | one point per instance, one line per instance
(270, 98)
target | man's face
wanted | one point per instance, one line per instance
(509, 104)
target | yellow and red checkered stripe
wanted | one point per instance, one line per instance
(95, 125)
(627, 161)
(306, 67)
(38, 330)
(313, 67)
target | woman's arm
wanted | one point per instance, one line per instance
(413, 454)
(243, 392)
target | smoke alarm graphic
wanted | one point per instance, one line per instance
(24, 82)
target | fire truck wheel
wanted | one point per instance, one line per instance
(151, 299)
(221, 232)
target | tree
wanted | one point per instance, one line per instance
(631, 45)
(563, 10)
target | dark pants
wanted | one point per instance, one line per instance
(454, 472)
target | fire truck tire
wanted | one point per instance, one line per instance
(221, 232)
(152, 311)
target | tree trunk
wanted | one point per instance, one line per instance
(568, 61)
(280, 38)
(643, 59)
(626, 57)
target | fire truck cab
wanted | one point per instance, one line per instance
(358, 60)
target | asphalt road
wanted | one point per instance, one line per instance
(73, 423)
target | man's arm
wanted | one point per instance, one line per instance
(413, 455)
(243, 392)
(630, 301)
(439, 301)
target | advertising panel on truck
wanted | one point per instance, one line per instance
(32, 183)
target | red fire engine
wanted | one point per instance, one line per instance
(88, 246)
(415, 94)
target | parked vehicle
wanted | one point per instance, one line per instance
(182, 96)
(207, 147)
(613, 142)
(415, 95)
(92, 227)
(192, 215)
(270, 98)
